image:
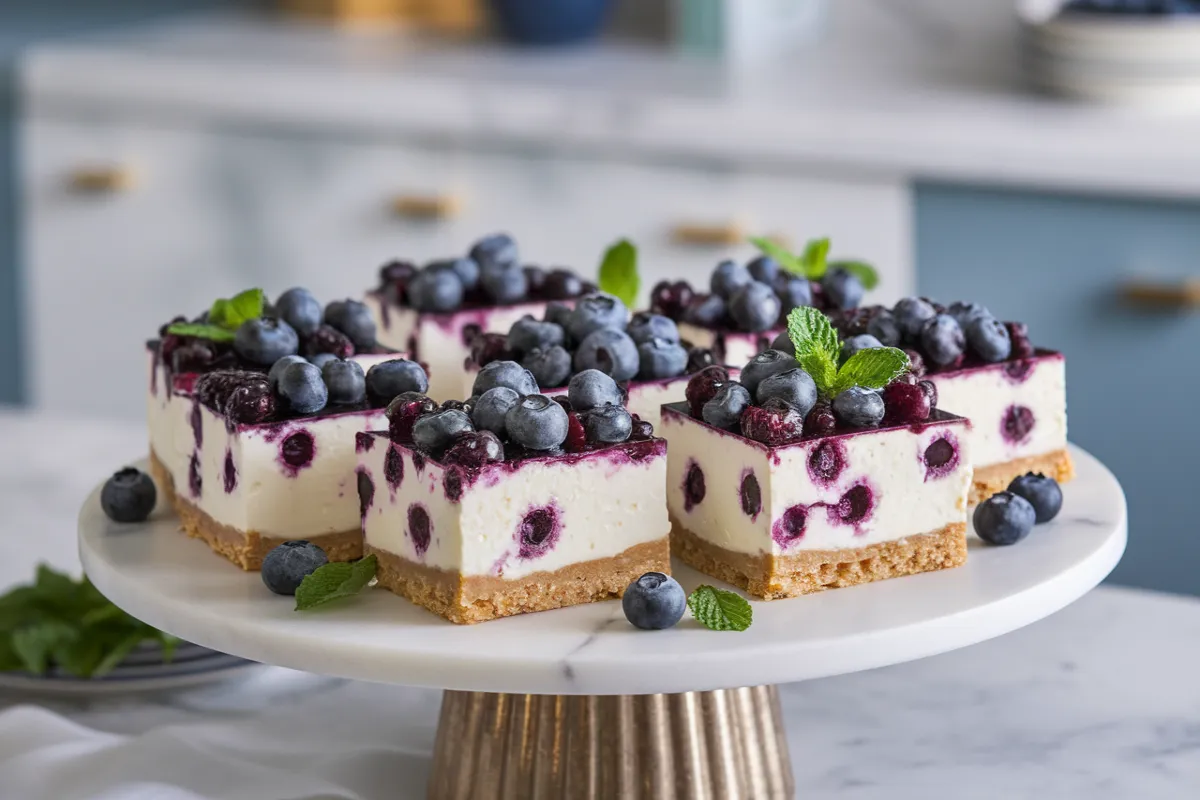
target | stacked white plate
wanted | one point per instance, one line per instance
(1132, 59)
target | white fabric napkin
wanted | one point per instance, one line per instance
(350, 741)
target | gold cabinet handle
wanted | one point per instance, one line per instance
(426, 207)
(699, 234)
(1167, 295)
(102, 179)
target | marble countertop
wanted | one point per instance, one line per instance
(916, 88)
(1098, 701)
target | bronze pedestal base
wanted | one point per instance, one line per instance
(727, 744)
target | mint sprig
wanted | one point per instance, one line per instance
(335, 580)
(619, 273)
(774, 250)
(67, 624)
(720, 610)
(224, 317)
(817, 350)
(813, 263)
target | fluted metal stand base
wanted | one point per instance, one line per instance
(722, 745)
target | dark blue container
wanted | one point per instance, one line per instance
(550, 22)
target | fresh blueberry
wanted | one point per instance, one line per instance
(842, 289)
(794, 386)
(706, 311)
(562, 284)
(264, 340)
(128, 496)
(435, 290)
(646, 326)
(654, 602)
(557, 313)
(321, 359)
(727, 278)
(988, 337)
(763, 366)
(505, 285)
(793, 292)
(491, 407)
(466, 269)
(607, 424)
(965, 312)
(285, 567)
(1004, 518)
(727, 406)
(592, 388)
(536, 422)
(550, 366)
(279, 366)
(345, 381)
(763, 269)
(910, 315)
(298, 308)
(353, 319)
(783, 343)
(387, 379)
(857, 407)
(496, 250)
(855, 343)
(505, 373)
(437, 431)
(1042, 493)
(755, 307)
(302, 389)
(659, 358)
(609, 350)
(884, 328)
(594, 312)
(528, 334)
(942, 340)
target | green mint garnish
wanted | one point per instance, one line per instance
(224, 317)
(817, 350)
(814, 258)
(619, 273)
(335, 580)
(59, 622)
(719, 610)
(778, 252)
(865, 273)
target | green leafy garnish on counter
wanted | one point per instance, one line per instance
(817, 350)
(813, 263)
(224, 317)
(335, 580)
(619, 273)
(59, 622)
(720, 610)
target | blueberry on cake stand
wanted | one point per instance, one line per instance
(576, 702)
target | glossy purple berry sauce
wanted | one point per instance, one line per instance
(693, 486)
(750, 495)
(538, 531)
(1017, 424)
(296, 452)
(420, 529)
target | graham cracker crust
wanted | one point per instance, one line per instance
(771, 577)
(245, 548)
(478, 598)
(996, 477)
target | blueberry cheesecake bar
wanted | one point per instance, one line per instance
(823, 467)
(434, 312)
(987, 370)
(513, 502)
(253, 411)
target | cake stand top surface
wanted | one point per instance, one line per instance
(175, 583)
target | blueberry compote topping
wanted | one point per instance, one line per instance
(596, 333)
(490, 274)
(420, 529)
(538, 531)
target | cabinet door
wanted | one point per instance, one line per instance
(1133, 376)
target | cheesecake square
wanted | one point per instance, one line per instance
(533, 532)
(819, 513)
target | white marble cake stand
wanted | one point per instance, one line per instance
(576, 703)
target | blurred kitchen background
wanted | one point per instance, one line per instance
(155, 154)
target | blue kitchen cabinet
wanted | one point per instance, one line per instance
(1133, 376)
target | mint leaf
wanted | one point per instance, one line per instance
(335, 580)
(34, 644)
(780, 254)
(865, 273)
(201, 331)
(619, 272)
(813, 258)
(719, 610)
(233, 312)
(116, 654)
(873, 368)
(816, 345)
